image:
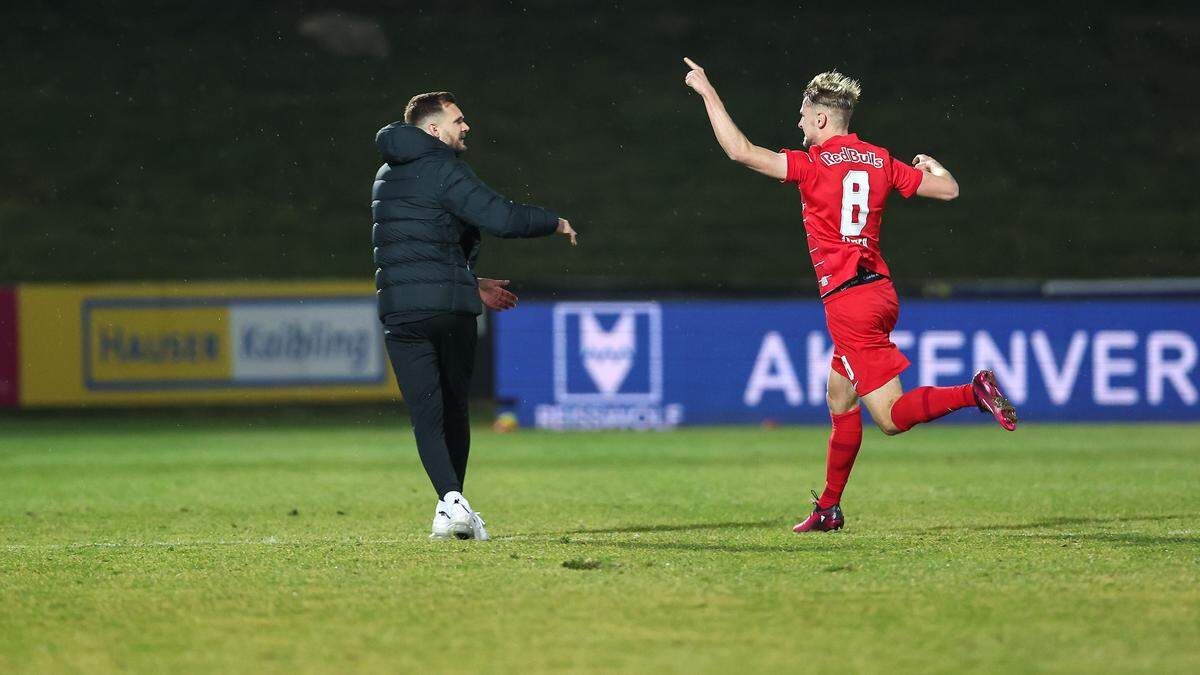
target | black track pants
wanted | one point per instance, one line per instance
(433, 360)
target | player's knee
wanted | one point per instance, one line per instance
(887, 426)
(840, 405)
(890, 429)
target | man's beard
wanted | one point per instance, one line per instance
(456, 144)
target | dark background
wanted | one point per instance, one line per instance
(185, 141)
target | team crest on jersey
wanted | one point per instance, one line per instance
(852, 155)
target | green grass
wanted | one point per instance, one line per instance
(170, 545)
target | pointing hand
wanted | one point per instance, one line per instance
(564, 227)
(696, 79)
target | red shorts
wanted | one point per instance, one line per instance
(859, 321)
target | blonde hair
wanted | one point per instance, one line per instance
(834, 90)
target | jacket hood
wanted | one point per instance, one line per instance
(400, 143)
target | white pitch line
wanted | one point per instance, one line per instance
(576, 537)
(267, 541)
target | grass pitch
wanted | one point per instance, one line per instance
(297, 544)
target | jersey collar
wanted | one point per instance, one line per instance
(843, 139)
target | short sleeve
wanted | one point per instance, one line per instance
(905, 179)
(798, 165)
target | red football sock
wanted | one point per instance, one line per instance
(924, 404)
(843, 448)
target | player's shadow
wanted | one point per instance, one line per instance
(1138, 540)
(659, 527)
(709, 547)
(565, 536)
(650, 528)
(1047, 523)
(1034, 529)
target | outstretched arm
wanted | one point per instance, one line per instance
(471, 200)
(732, 140)
(936, 181)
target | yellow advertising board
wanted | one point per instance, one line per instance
(138, 344)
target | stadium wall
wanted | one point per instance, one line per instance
(662, 364)
(289, 158)
(176, 344)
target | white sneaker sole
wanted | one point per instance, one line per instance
(461, 529)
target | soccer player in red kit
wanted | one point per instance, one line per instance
(843, 183)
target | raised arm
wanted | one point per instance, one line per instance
(732, 140)
(936, 181)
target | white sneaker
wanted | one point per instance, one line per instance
(477, 531)
(441, 522)
(464, 523)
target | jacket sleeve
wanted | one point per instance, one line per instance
(468, 198)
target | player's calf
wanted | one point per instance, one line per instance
(925, 404)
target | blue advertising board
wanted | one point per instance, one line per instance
(568, 365)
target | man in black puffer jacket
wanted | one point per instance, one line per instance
(429, 208)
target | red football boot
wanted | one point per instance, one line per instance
(990, 399)
(822, 520)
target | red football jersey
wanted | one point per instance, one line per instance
(843, 185)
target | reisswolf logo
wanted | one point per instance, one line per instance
(607, 352)
(608, 368)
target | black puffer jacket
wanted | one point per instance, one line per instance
(429, 208)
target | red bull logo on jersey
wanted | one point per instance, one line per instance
(851, 155)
